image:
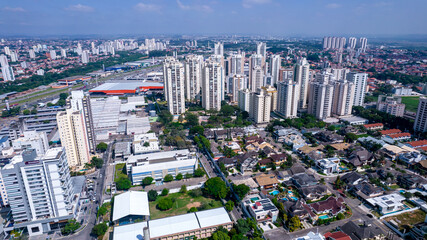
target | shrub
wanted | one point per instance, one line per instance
(123, 183)
(152, 195)
(193, 209)
(165, 192)
(165, 204)
(179, 176)
(168, 178)
(100, 229)
(183, 189)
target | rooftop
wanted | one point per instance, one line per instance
(131, 203)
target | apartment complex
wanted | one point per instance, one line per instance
(260, 106)
(173, 74)
(420, 124)
(343, 98)
(288, 98)
(212, 85)
(193, 76)
(32, 140)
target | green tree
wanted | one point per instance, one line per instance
(243, 226)
(165, 192)
(168, 178)
(123, 183)
(97, 162)
(26, 112)
(61, 102)
(71, 226)
(294, 223)
(165, 204)
(146, 144)
(241, 190)
(100, 229)
(63, 96)
(338, 183)
(227, 110)
(350, 137)
(179, 176)
(147, 181)
(229, 205)
(340, 216)
(199, 172)
(215, 187)
(220, 235)
(152, 195)
(197, 130)
(102, 210)
(193, 209)
(192, 119)
(165, 117)
(102, 146)
(34, 111)
(183, 189)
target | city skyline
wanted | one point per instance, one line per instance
(260, 17)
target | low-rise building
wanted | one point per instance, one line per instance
(145, 143)
(32, 139)
(122, 150)
(374, 126)
(396, 137)
(290, 137)
(130, 207)
(267, 181)
(303, 180)
(388, 203)
(262, 209)
(328, 165)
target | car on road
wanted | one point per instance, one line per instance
(369, 215)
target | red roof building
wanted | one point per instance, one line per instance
(374, 126)
(390, 131)
(337, 236)
(417, 144)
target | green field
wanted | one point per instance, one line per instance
(118, 173)
(182, 203)
(411, 103)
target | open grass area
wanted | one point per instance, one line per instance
(411, 103)
(363, 135)
(118, 173)
(182, 203)
(408, 218)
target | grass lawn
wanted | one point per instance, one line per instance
(411, 103)
(183, 202)
(363, 135)
(408, 218)
(119, 171)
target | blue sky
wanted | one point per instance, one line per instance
(264, 17)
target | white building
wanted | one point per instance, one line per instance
(301, 77)
(193, 76)
(288, 98)
(388, 203)
(219, 49)
(343, 98)
(261, 48)
(352, 42)
(32, 140)
(244, 100)
(363, 44)
(262, 209)
(273, 93)
(237, 64)
(32, 53)
(52, 54)
(73, 134)
(420, 124)
(321, 97)
(236, 83)
(7, 73)
(85, 56)
(173, 73)
(359, 80)
(257, 78)
(63, 53)
(275, 64)
(391, 104)
(260, 106)
(212, 85)
(145, 143)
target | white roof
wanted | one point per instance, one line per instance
(133, 231)
(213, 217)
(131, 203)
(173, 225)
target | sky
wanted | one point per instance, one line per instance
(212, 17)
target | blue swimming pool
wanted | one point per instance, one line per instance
(255, 199)
(274, 193)
(289, 191)
(285, 199)
(323, 217)
(294, 198)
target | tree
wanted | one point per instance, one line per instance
(338, 183)
(100, 229)
(146, 144)
(229, 205)
(183, 189)
(61, 102)
(188, 176)
(322, 181)
(408, 195)
(102, 210)
(241, 190)
(197, 130)
(147, 181)
(340, 216)
(165, 192)
(168, 178)
(215, 187)
(243, 226)
(165, 204)
(350, 137)
(123, 183)
(34, 111)
(26, 112)
(193, 209)
(192, 119)
(165, 117)
(179, 176)
(152, 195)
(294, 223)
(199, 172)
(97, 162)
(102, 146)
(220, 235)
(63, 96)
(71, 226)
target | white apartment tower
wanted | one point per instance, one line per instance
(257, 78)
(72, 131)
(302, 77)
(32, 140)
(174, 78)
(363, 44)
(288, 98)
(261, 48)
(260, 106)
(8, 74)
(352, 43)
(63, 53)
(219, 49)
(212, 85)
(85, 56)
(52, 54)
(236, 83)
(244, 100)
(420, 124)
(193, 76)
(343, 98)
(321, 96)
(32, 53)
(273, 93)
(236, 64)
(360, 81)
(275, 64)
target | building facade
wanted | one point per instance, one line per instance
(193, 76)
(173, 74)
(288, 98)
(260, 106)
(420, 124)
(212, 85)
(301, 77)
(343, 98)
(359, 80)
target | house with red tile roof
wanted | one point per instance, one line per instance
(374, 126)
(417, 144)
(336, 236)
(396, 137)
(390, 131)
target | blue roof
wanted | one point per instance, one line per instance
(4, 139)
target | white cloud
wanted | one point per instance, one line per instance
(79, 8)
(250, 3)
(203, 8)
(147, 7)
(333, 5)
(12, 9)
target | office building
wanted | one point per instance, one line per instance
(257, 78)
(219, 49)
(145, 143)
(236, 83)
(39, 190)
(288, 98)
(173, 74)
(73, 133)
(237, 64)
(302, 77)
(391, 104)
(193, 76)
(158, 165)
(261, 48)
(420, 124)
(85, 56)
(359, 80)
(321, 96)
(78, 101)
(244, 100)
(343, 98)
(260, 106)
(275, 64)
(32, 140)
(212, 85)
(273, 92)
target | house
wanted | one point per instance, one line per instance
(336, 236)
(312, 236)
(279, 159)
(352, 178)
(262, 209)
(235, 147)
(362, 232)
(329, 137)
(374, 126)
(303, 180)
(291, 137)
(387, 203)
(328, 165)
(266, 181)
(410, 181)
(314, 193)
(359, 157)
(297, 169)
(331, 206)
(396, 137)
(248, 181)
(411, 158)
(417, 144)
(365, 190)
(308, 149)
(223, 134)
(264, 163)
(246, 161)
(348, 129)
(390, 132)
(252, 139)
(298, 208)
(209, 134)
(392, 152)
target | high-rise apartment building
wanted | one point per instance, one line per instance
(219, 49)
(360, 81)
(3, 61)
(261, 49)
(257, 78)
(39, 190)
(212, 85)
(321, 96)
(273, 93)
(63, 53)
(193, 76)
(52, 54)
(32, 140)
(32, 53)
(260, 106)
(7, 50)
(343, 97)
(352, 43)
(363, 44)
(237, 64)
(8, 74)
(275, 64)
(288, 98)
(174, 80)
(420, 124)
(85, 56)
(73, 135)
(236, 83)
(337, 43)
(244, 100)
(302, 77)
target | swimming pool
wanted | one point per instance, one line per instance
(323, 217)
(289, 191)
(275, 192)
(285, 199)
(294, 198)
(255, 199)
